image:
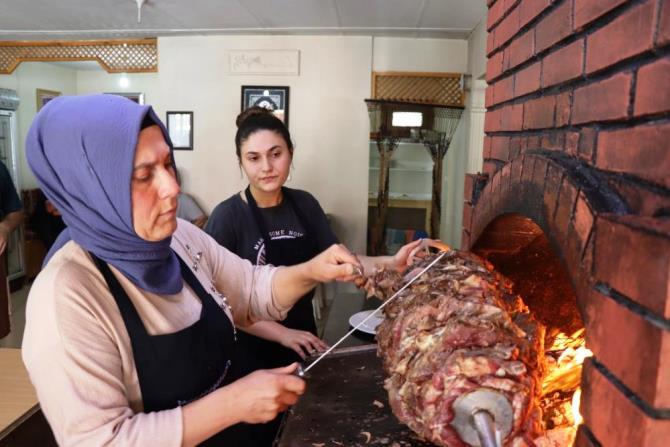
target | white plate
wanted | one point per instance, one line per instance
(370, 326)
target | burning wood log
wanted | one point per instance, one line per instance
(455, 342)
(564, 356)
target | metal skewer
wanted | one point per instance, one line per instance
(301, 372)
(483, 417)
(485, 426)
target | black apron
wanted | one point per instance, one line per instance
(256, 353)
(175, 369)
(283, 252)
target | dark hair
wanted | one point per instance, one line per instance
(258, 118)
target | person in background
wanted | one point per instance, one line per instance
(188, 209)
(268, 223)
(47, 221)
(11, 210)
(130, 336)
(11, 216)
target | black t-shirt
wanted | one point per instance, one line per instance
(9, 199)
(233, 226)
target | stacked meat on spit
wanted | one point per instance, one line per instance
(457, 342)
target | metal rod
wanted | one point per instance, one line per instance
(139, 10)
(374, 312)
(485, 426)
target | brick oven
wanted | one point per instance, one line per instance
(574, 201)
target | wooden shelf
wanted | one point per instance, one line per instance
(408, 201)
(417, 197)
(422, 170)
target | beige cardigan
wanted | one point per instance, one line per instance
(78, 354)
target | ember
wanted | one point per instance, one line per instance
(560, 389)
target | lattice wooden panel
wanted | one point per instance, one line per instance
(425, 88)
(115, 56)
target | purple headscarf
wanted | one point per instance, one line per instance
(81, 149)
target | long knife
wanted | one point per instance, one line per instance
(302, 371)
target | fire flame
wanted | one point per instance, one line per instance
(560, 388)
(576, 415)
(564, 362)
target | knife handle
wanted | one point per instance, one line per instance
(300, 371)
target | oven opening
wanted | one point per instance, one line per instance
(519, 249)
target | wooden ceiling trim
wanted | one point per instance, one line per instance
(114, 56)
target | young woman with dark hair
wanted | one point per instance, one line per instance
(268, 223)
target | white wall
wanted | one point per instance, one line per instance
(451, 222)
(103, 82)
(477, 50)
(9, 81)
(327, 116)
(26, 79)
(408, 54)
(476, 110)
(465, 152)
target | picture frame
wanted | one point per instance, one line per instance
(43, 96)
(133, 96)
(180, 129)
(274, 98)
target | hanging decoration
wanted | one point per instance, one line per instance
(437, 141)
(435, 132)
(386, 144)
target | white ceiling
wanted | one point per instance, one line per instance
(82, 19)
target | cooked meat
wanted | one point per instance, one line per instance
(456, 329)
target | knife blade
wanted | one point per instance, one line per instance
(302, 371)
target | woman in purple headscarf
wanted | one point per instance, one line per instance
(130, 325)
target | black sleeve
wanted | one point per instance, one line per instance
(9, 199)
(221, 226)
(324, 233)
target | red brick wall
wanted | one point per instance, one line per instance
(578, 139)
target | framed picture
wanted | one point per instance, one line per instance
(44, 96)
(133, 96)
(180, 129)
(272, 98)
(265, 62)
